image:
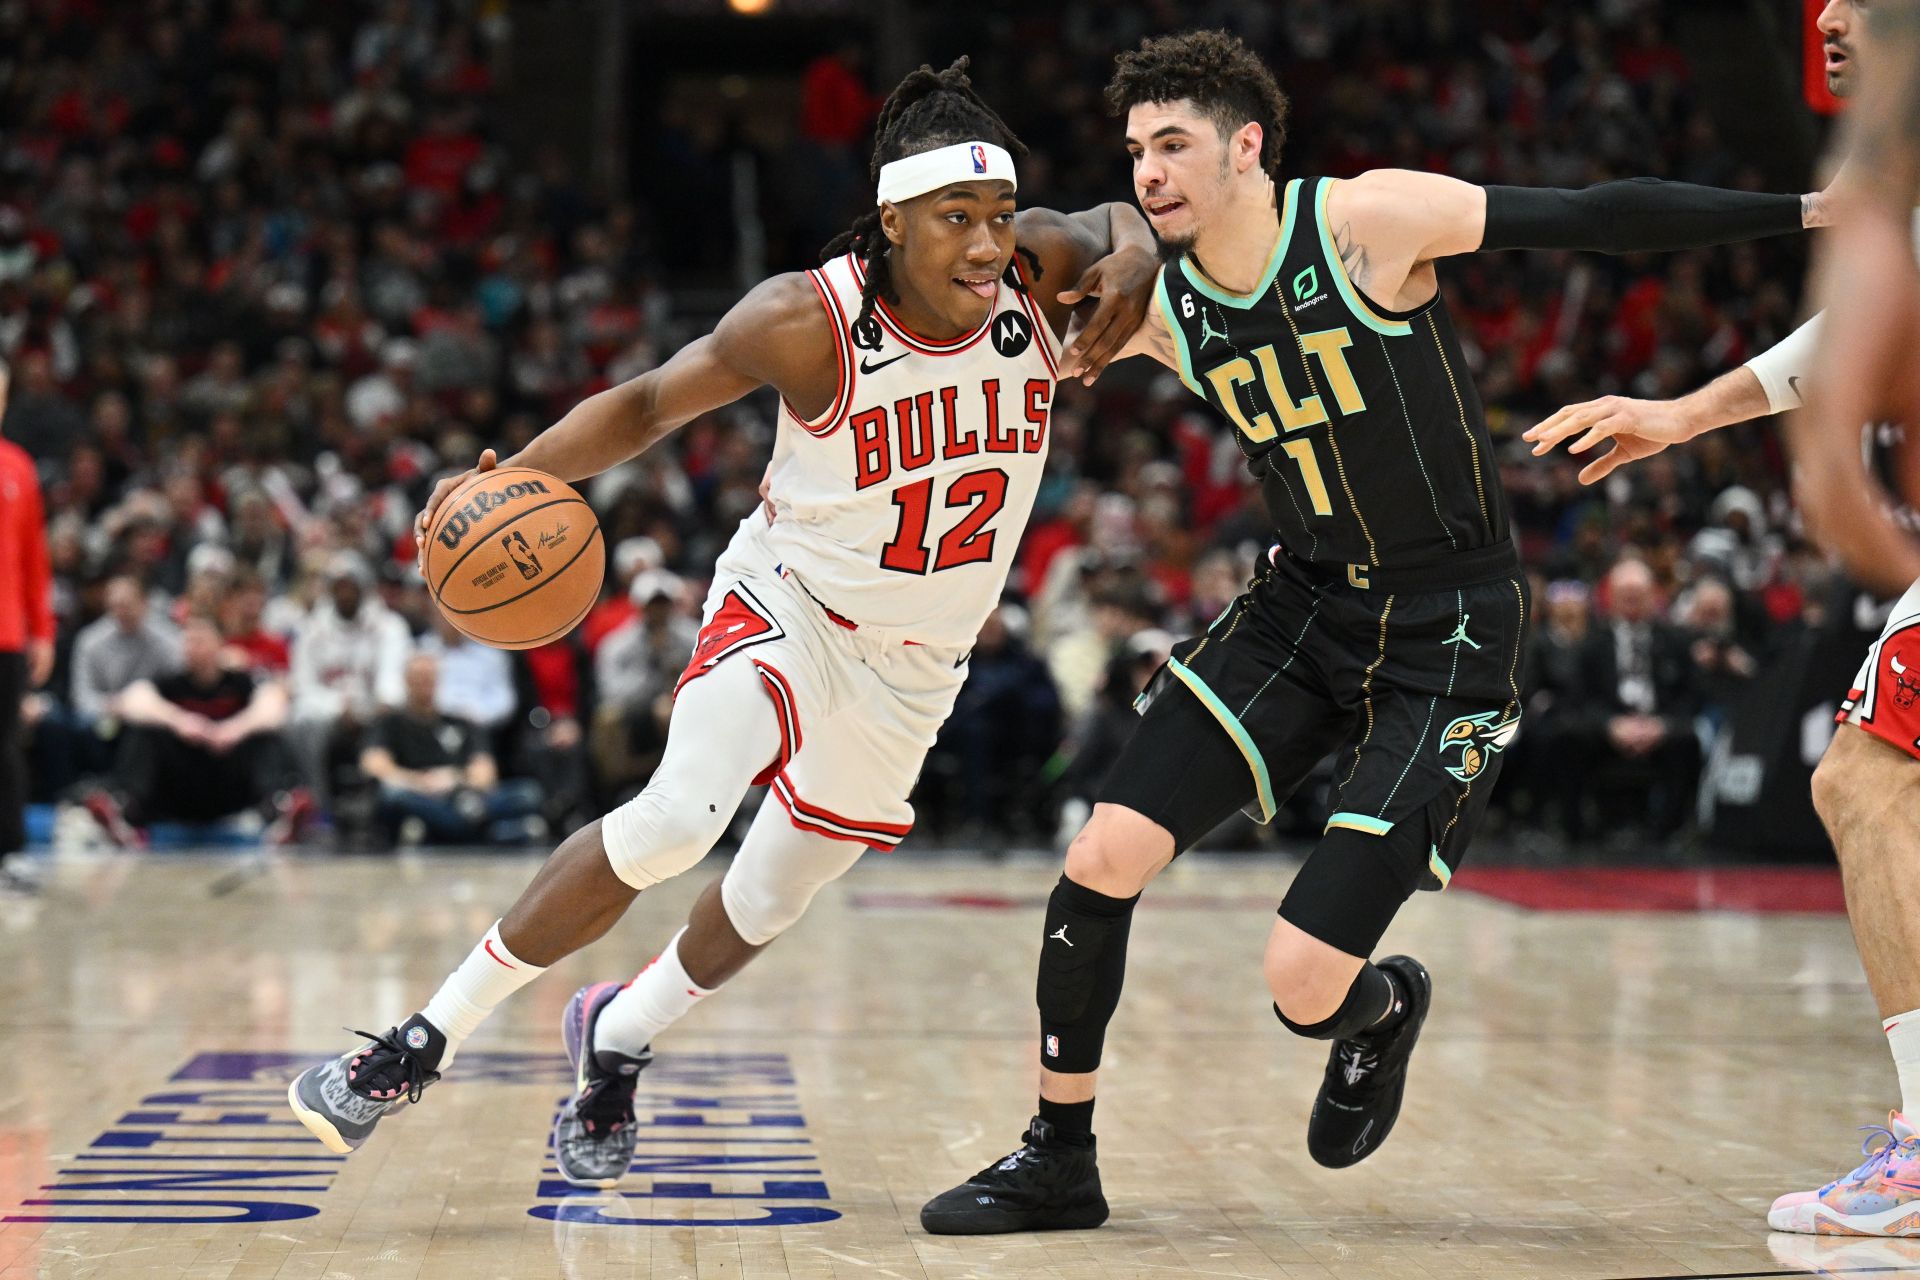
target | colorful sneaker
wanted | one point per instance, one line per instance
(341, 1100)
(1880, 1198)
(1366, 1078)
(1047, 1185)
(594, 1135)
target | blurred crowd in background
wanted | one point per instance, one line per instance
(267, 271)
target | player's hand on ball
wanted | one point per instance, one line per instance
(424, 521)
(1638, 428)
(1123, 282)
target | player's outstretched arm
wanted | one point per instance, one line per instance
(1106, 253)
(777, 335)
(1403, 217)
(1768, 383)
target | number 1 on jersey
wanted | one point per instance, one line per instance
(1301, 451)
(968, 542)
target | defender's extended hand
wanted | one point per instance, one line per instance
(1123, 282)
(1638, 428)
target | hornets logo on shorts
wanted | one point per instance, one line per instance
(1479, 738)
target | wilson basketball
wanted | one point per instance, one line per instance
(515, 558)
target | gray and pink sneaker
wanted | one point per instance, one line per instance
(341, 1101)
(593, 1136)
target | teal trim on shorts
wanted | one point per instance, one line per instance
(1235, 730)
(1359, 822)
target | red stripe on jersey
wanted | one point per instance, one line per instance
(913, 341)
(829, 422)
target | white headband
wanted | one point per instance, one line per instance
(930, 170)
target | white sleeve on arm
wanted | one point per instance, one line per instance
(1781, 366)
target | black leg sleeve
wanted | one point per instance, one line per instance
(1083, 963)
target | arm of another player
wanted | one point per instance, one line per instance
(1108, 253)
(1865, 276)
(775, 335)
(1402, 216)
(1768, 383)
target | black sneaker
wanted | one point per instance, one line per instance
(1046, 1185)
(1367, 1076)
(594, 1134)
(342, 1100)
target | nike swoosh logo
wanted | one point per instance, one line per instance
(867, 366)
(1793, 382)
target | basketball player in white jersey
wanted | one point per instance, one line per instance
(1867, 786)
(916, 370)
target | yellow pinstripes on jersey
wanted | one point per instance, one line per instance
(1473, 445)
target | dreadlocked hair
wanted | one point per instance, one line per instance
(1226, 82)
(926, 111)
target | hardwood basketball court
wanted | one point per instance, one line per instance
(1598, 1094)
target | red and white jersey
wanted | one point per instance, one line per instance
(901, 506)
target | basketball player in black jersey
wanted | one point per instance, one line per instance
(1386, 626)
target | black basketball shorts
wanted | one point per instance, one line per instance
(1417, 692)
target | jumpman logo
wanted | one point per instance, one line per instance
(1460, 635)
(1207, 332)
(1062, 935)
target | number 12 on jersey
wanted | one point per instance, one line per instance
(981, 493)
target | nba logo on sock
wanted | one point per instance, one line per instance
(416, 1037)
(979, 158)
(1053, 1046)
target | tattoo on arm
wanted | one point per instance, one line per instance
(1353, 256)
(1034, 270)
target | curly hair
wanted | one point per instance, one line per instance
(1226, 82)
(927, 110)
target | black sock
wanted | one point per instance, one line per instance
(1396, 1004)
(1072, 1121)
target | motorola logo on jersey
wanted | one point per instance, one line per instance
(1012, 333)
(865, 333)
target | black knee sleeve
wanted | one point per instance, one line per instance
(1083, 961)
(1368, 1000)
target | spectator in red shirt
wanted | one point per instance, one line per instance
(247, 645)
(26, 622)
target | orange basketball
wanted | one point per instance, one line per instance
(515, 558)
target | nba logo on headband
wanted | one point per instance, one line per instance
(925, 171)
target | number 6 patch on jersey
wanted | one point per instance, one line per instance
(740, 622)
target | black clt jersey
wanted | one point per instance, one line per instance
(1366, 433)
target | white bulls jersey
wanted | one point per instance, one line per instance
(901, 506)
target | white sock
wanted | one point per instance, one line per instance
(659, 997)
(488, 975)
(1903, 1037)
